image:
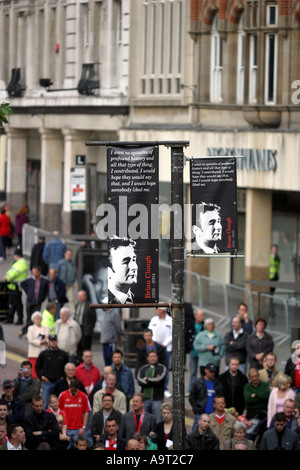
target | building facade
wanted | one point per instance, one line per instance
(221, 74)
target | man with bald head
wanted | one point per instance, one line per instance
(86, 317)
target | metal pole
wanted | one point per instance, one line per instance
(177, 238)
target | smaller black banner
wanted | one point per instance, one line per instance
(214, 205)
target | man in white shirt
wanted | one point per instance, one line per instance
(161, 326)
(16, 438)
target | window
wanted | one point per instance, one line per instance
(162, 47)
(270, 68)
(253, 70)
(240, 62)
(271, 15)
(216, 66)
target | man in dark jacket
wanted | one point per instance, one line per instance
(108, 411)
(235, 344)
(151, 378)
(50, 367)
(57, 291)
(203, 392)
(36, 290)
(36, 257)
(86, 317)
(233, 382)
(279, 437)
(202, 438)
(40, 426)
(149, 345)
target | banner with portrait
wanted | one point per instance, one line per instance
(132, 190)
(214, 205)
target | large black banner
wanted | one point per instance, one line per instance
(214, 205)
(132, 189)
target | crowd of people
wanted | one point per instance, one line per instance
(62, 401)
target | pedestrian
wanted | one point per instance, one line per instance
(242, 313)
(233, 382)
(86, 317)
(68, 334)
(54, 251)
(76, 406)
(279, 395)
(5, 233)
(161, 326)
(221, 422)
(239, 440)
(66, 271)
(16, 438)
(279, 437)
(20, 220)
(151, 378)
(111, 328)
(119, 397)
(269, 373)
(36, 290)
(57, 291)
(14, 275)
(40, 426)
(111, 437)
(87, 372)
(146, 346)
(202, 438)
(26, 386)
(50, 366)
(235, 344)
(138, 420)
(164, 428)
(210, 345)
(194, 355)
(16, 405)
(125, 379)
(106, 411)
(203, 391)
(37, 336)
(48, 319)
(258, 344)
(63, 383)
(36, 256)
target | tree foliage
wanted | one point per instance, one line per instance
(5, 111)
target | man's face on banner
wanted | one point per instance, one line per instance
(123, 266)
(211, 228)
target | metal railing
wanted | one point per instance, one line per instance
(220, 300)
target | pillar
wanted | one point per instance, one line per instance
(51, 179)
(16, 168)
(74, 144)
(258, 234)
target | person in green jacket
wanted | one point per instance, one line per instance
(49, 317)
(16, 274)
(256, 394)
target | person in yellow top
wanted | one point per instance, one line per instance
(16, 274)
(49, 317)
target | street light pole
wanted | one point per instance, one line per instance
(177, 239)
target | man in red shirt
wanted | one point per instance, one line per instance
(76, 406)
(87, 372)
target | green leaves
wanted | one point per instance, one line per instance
(5, 110)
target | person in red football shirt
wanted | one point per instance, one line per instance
(76, 406)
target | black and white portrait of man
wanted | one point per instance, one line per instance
(208, 228)
(122, 270)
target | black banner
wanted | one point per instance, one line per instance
(132, 187)
(214, 205)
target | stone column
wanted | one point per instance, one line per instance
(74, 144)
(258, 235)
(51, 179)
(16, 168)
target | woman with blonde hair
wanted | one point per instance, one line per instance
(278, 395)
(164, 429)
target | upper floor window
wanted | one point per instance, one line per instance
(216, 64)
(240, 63)
(162, 47)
